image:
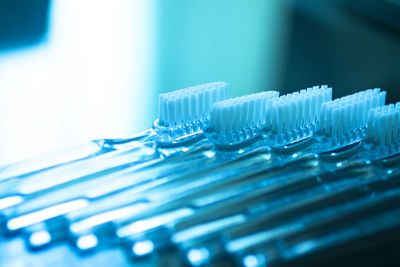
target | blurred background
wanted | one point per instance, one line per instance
(76, 70)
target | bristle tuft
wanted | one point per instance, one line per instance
(240, 113)
(238, 119)
(348, 116)
(384, 125)
(297, 111)
(190, 105)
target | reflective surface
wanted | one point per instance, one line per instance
(73, 71)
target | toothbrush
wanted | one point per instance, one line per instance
(182, 115)
(194, 101)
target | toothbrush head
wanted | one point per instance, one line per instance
(344, 120)
(295, 116)
(237, 120)
(184, 113)
(384, 126)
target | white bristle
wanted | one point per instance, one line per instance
(384, 124)
(297, 110)
(241, 113)
(348, 114)
(191, 104)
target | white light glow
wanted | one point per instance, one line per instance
(209, 154)
(10, 201)
(87, 242)
(212, 226)
(153, 222)
(250, 261)
(106, 217)
(198, 256)
(143, 247)
(88, 79)
(45, 214)
(242, 243)
(39, 238)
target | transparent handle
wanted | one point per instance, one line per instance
(105, 192)
(50, 160)
(70, 155)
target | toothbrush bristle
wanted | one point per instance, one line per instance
(190, 105)
(350, 113)
(384, 124)
(241, 113)
(298, 110)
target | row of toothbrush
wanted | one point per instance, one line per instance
(257, 180)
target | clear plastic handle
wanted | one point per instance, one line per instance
(70, 155)
(50, 160)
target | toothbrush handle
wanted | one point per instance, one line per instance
(117, 143)
(69, 155)
(51, 160)
(61, 190)
(122, 186)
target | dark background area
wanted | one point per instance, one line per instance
(22, 22)
(350, 45)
